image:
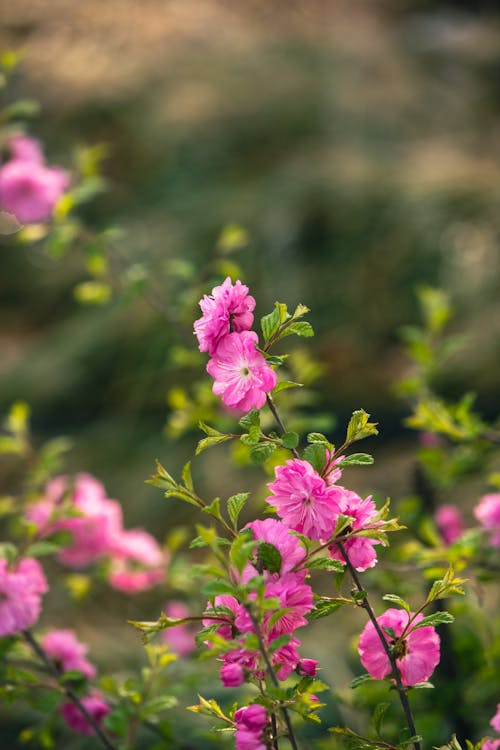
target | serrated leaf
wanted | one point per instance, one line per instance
(437, 618)
(213, 509)
(326, 563)
(235, 505)
(270, 323)
(209, 442)
(290, 440)
(359, 427)
(396, 600)
(315, 454)
(324, 606)
(162, 478)
(301, 328)
(242, 549)
(251, 419)
(268, 558)
(355, 459)
(259, 453)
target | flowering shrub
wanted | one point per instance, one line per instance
(261, 580)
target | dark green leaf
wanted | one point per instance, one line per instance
(268, 558)
(290, 440)
(316, 455)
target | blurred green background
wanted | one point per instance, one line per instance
(357, 143)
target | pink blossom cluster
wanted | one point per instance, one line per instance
(287, 587)
(311, 505)
(22, 585)
(95, 706)
(95, 527)
(417, 654)
(242, 377)
(250, 724)
(489, 743)
(28, 188)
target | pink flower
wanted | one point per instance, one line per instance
(138, 562)
(308, 667)
(296, 597)
(21, 590)
(95, 706)
(180, 639)
(303, 500)
(449, 521)
(252, 717)
(331, 473)
(276, 533)
(90, 517)
(227, 309)
(241, 373)
(286, 659)
(359, 549)
(232, 674)
(416, 656)
(490, 744)
(495, 722)
(66, 650)
(28, 189)
(487, 513)
(224, 629)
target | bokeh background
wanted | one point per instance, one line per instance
(357, 143)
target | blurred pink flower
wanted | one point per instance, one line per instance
(487, 513)
(250, 723)
(241, 373)
(21, 589)
(28, 189)
(490, 744)
(232, 674)
(495, 721)
(227, 309)
(303, 500)
(450, 523)
(359, 549)
(96, 707)
(419, 650)
(68, 652)
(137, 561)
(180, 638)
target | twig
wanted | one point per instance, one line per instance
(52, 668)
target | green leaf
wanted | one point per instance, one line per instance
(158, 705)
(301, 328)
(213, 509)
(216, 588)
(268, 558)
(437, 618)
(360, 680)
(318, 437)
(378, 716)
(283, 385)
(235, 505)
(326, 563)
(242, 549)
(186, 476)
(270, 323)
(8, 551)
(355, 459)
(162, 478)
(40, 549)
(252, 419)
(396, 600)
(259, 453)
(359, 427)
(290, 440)
(422, 685)
(342, 523)
(209, 442)
(279, 642)
(316, 455)
(326, 605)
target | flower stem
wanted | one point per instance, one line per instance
(272, 675)
(403, 696)
(277, 417)
(52, 668)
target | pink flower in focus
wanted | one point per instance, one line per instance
(138, 562)
(181, 638)
(28, 189)
(303, 500)
(487, 513)
(224, 629)
(418, 653)
(241, 373)
(232, 674)
(449, 521)
(95, 706)
(359, 549)
(286, 658)
(21, 590)
(65, 649)
(495, 722)
(227, 309)
(331, 473)
(296, 597)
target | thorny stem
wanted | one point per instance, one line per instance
(51, 667)
(272, 675)
(403, 697)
